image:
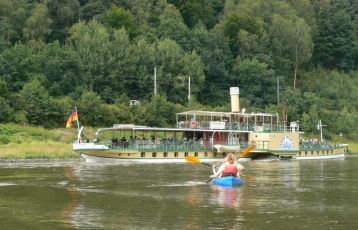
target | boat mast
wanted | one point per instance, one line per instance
(320, 127)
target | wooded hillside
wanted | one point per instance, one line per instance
(99, 54)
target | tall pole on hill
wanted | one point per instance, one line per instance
(189, 92)
(278, 91)
(155, 80)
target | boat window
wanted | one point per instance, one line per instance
(165, 154)
(266, 144)
(186, 154)
(142, 154)
(196, 154)
(205, 154)
(305, 152)
(154, 154)
(175, 154)
(311, 152)
(300, 153)
(317, 152)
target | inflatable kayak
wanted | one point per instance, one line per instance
(229, 181)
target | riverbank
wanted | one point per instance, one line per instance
(352, 147)
(29, 142)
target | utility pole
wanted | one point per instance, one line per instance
(155, 81)
(278, 91)
(189, 92)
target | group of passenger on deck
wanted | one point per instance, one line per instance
(313, 143)
(154, 140)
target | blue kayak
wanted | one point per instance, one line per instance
(228, 181)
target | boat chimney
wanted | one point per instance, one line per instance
(235, 100)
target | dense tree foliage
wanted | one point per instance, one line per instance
(99, 54)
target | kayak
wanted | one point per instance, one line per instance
(228, 181)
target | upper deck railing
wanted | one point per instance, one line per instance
(258, 122)
(236, 126)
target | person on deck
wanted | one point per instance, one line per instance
(229, 168)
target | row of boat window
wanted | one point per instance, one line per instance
(317, 152)
(176, 154)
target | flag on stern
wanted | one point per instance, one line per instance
(73, 117)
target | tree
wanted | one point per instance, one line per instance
(158, 113)
(5, 110)
(90, 107)
(64, 13)
(91, 42)
(38, 25)
(336, 43)
(139, 78)
(173, 66)
(303, 46)
(36, 100)
(62, 69)
(194, 11)
(171, 26)
(13, 15)
(214, 51)
(235, 23)
(118, 17)
(305, 10)
(259, 83)
(291, 42)
(16, 65)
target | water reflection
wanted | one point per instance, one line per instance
(75, 197)
(226, 196)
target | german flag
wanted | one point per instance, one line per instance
(73, 117)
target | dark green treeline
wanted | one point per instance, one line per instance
(99, 54)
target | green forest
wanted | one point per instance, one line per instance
(294, 57)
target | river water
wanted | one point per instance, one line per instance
(317, 194)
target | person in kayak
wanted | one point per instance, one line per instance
(229, 168)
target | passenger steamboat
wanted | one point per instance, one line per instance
(209, 136)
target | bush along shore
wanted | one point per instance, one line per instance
(28, 142)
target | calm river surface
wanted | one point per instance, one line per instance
(317, 194)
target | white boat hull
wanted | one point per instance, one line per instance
(99, 159)
(333, 156)
(227, 148)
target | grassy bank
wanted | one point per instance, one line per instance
(27, 142)
(353, 147)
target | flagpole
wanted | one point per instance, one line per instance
(78, 125)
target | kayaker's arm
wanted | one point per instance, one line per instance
(214, 169)
(218, 173)
(240, 168)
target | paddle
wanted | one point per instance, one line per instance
(195, 160)
(246, 151)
